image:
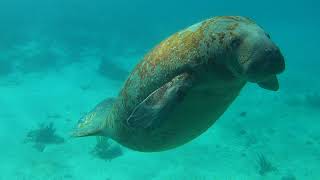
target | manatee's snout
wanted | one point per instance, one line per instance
(268, 62)
(265, 63)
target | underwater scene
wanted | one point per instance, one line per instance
(159, 90)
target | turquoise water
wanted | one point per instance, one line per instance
(58, 59)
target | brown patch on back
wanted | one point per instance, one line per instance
(175, 51)
(221, 36)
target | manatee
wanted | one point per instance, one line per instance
(183, 85)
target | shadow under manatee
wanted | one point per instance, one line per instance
(106, 150)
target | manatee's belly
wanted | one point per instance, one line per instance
(193, 116)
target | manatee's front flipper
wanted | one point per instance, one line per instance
(270, 83)
(94, 122)
(159, 103)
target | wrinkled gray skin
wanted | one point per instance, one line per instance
(182, 86)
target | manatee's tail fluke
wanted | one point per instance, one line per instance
(93, 123)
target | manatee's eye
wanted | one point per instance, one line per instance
(235, 42)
